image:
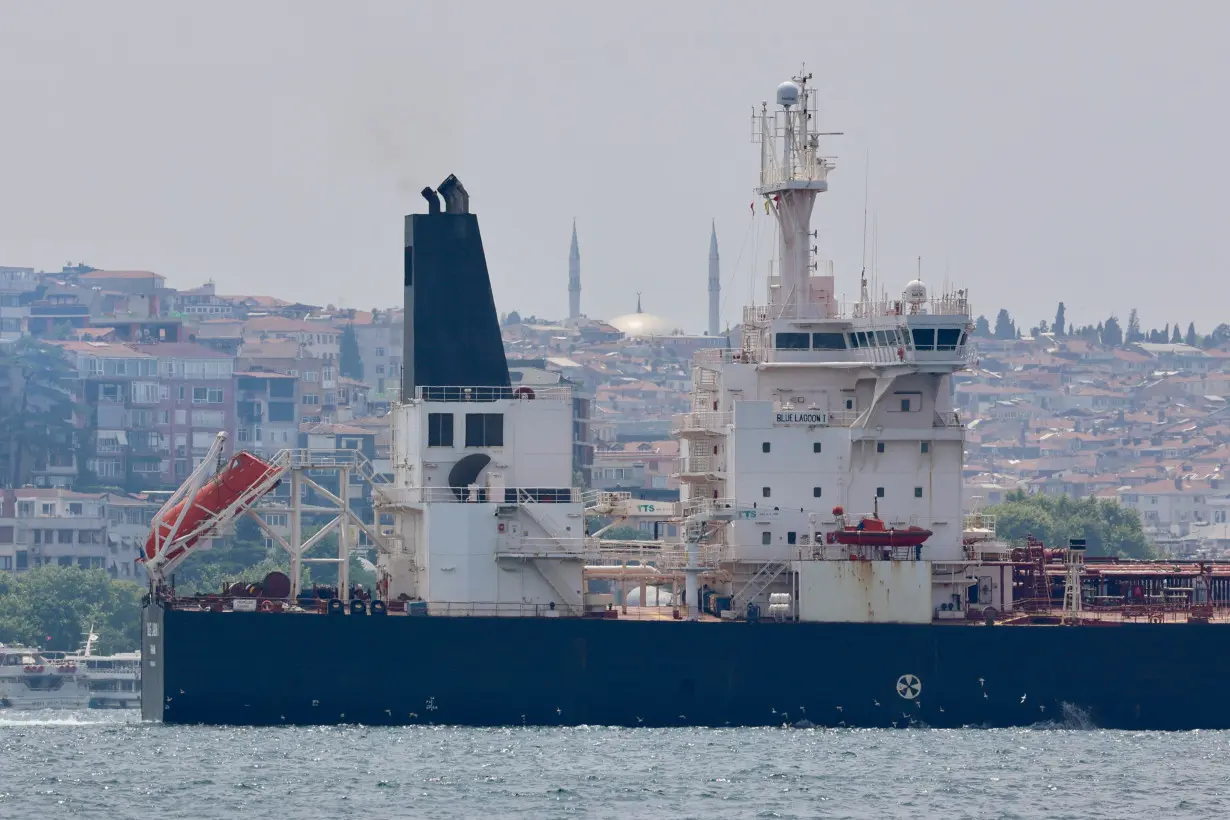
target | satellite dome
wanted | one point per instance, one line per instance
(915, 292)
(788, 94)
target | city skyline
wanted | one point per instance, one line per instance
(278, 157)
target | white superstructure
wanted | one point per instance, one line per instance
(827, 405)
(487, 519)
(822, 405)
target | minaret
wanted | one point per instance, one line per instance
(715, 283)
(574, 277)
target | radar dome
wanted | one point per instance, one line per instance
(915, 292)
(788, 94)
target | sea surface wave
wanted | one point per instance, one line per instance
(109, 765)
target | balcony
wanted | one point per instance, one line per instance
(700, 467)
(701, 423)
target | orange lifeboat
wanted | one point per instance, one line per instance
(871, 532)
(242, 472)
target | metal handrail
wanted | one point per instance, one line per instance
(486, 495)
(489, 394)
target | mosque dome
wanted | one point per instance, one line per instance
(641, 324)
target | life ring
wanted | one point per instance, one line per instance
(266, 606)
(524, 392)
(1155, 619)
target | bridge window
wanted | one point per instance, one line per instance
(854, 340)
(484, 430)
(828, 341)
(924, 338)
(793, 341)
(947, 338)
(439, 429)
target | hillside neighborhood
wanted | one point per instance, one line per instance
(114, 384)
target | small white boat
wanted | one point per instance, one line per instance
(31, 680)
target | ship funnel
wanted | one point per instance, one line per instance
(456, 198)
(452, 333)
(433, 200)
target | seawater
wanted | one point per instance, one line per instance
(109, 765)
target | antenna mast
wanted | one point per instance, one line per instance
(792, 174)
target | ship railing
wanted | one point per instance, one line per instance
(655, 557)
(700, 463)
(843, 418)
(944, 305)
(489, 394)
(531, 546)
(978, 521)
(599, 500)
(948, 418)
(513, 609)
(713, 356)
(712, 420)
(726, 509)
(486, 495)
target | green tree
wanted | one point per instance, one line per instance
(1107, 527)
(982, 327)
(1060, 319)
(37, 414)
(1191, 337)
(1176, 337)
(1004, 327)
(350, 362)
(513, 318)
(1219, 336)
(1133, 328)
(1112, 333)
(52, 607)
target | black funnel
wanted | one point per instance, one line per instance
(452, 333)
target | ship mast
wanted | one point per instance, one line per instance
(792, 174)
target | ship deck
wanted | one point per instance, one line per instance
(1027, 615)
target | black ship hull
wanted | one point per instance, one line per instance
(285, 669)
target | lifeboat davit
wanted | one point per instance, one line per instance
(242, 473)
(871, 532)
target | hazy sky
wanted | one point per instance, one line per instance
(1033, 150)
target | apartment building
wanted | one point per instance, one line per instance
(175, 419)
(88, 530)
(319, 340)
(317, 377)
(267, 411)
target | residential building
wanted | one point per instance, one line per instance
(266, 411)
(291, 357)
(58, 527)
